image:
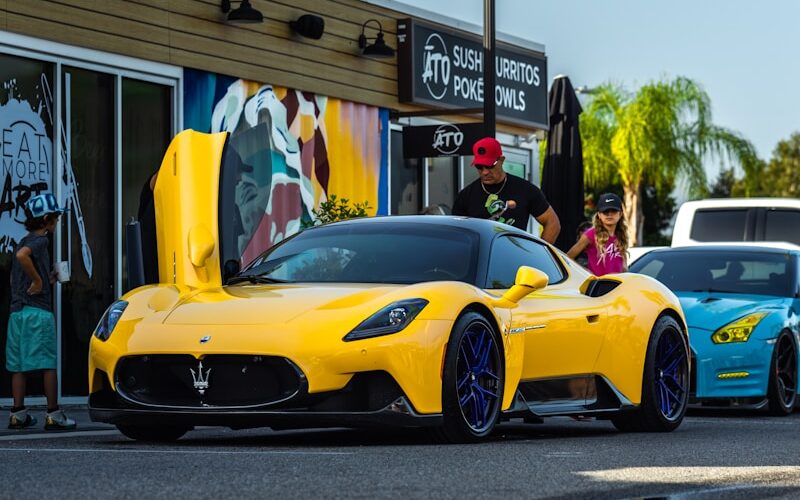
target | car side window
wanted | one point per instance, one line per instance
(511, 252)
(719, 225)
(781, 225)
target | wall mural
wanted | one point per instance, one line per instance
(27, 165)
(298, 148)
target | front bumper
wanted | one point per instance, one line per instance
(397, 414)
(370, 399)
(726, 371)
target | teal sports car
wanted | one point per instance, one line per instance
(741, 304)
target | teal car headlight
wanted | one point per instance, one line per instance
(391, 319)
(110, 319)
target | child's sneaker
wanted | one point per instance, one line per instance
(58, 421)
(21, 419)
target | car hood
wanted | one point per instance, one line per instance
(269, 304)
(712, 310)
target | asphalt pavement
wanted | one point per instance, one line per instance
(712, 455)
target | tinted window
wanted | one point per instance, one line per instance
(719, 225)
(720, 270)
(783, 225)
(511, 252)
(372, 253)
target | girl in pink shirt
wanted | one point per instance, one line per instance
(606, 242)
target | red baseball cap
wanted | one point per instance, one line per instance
(487, 151)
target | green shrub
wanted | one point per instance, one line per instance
(336, 209)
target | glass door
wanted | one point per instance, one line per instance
(26, 169)
(88, 230)
(147, 123)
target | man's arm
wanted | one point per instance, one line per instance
(551, 226)
(25, 261)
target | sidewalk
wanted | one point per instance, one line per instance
(79, 413)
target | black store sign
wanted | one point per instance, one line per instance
(447, 139)
(443, 68)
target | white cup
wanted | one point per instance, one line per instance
(62, 270)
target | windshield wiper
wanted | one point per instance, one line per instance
(254, 279)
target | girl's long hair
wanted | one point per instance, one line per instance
(601, 235)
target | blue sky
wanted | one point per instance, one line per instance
(745, 54)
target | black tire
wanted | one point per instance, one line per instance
(665, 382)
(481, 387)
(154, 433)
(782, 388)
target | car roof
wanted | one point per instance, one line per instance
(742, 202)
(760, 246)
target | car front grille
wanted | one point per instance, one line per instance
(213, 381)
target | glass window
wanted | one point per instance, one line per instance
(511, 252)
(406, 178)
(783, 225)
(740, 272)
(26, 169)
(719, 225)
(372, 253)
(146, 132)
(442, 182)
(468, 172)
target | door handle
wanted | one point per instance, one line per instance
(593, 318)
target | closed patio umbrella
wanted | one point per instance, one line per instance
(562, 179)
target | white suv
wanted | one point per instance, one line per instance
(737, 219)
(733, 220)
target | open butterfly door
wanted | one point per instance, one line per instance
(186, 201)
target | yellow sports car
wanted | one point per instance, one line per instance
(446, 322)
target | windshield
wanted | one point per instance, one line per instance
(719, 271)
(372, 253)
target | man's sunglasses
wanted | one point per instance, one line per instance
(487, 167)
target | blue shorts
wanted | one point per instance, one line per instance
(31, 340)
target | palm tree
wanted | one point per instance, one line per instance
(662, 133)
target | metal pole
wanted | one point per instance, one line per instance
(488, 68)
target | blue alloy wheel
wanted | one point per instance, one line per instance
(477, 379)
(671, 374)
(665, 382)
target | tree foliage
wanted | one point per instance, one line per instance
(781, 176)
(661, 133)
(335, 209)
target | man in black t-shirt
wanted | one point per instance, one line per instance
(504, 197)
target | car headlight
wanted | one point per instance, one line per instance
(109, 320)
(739, 330)
(391, 319)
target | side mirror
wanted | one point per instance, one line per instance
(230, 269)
(528, 280)
(201, 245)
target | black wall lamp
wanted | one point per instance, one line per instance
(245, 13)
(309, 26)
(377, 49)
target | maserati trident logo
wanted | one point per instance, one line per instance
(200, 380)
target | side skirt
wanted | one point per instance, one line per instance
(589, 394)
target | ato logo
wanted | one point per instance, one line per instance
(447, 139)
(436, 75)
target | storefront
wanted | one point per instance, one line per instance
(91, 96)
